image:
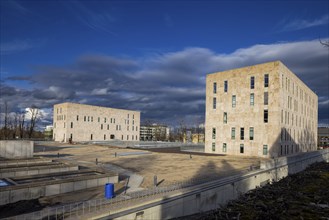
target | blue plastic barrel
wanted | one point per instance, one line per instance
(109, 190)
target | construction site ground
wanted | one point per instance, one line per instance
(136, 169)
(168, 164)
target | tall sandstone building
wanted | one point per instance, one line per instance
(80, 122)
(263, 110)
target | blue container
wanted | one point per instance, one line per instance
(109, 190)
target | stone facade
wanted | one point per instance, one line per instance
(263, 110)
(94, 123)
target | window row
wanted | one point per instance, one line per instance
(234, 102)
(61, 117)
(242, 150)
(91, 119)
(233, 133)
(59, 110)
(265, 117)
(295, 89)
(252, 83)
(112, 136)
(118, 127)
(291, 119)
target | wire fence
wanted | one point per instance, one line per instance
(74, 210)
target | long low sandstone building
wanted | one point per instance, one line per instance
(80, 122)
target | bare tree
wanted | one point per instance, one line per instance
(35, 115)
(21, 122)
(182, 130)
(14, 127)
(6, 122)
(325, 43)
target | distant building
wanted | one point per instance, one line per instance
(79, 122)
(49, 128)
(323, 137)
(197, 138)
(48, 133)
(154, 132)
(263, 110)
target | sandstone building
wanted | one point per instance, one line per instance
(80, 122)
(263, 110)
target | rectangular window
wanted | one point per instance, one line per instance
(91, 137)
(214, 103)
(282, 116)
(241, 148)
(88, 118)
(265, 116)
(104, 137)
(92, 118)
(213, 133)
(224, 147)
(225, 86)
(265, 98)
(84, 118)
(241, 133)
(213, 147)
(233, 133)
(104, 120)
(252, 82)
(215, 88)
(102, 126)
(265, 150)
(266, 80)
(251, 133)
(233, 101)
(98, 119)
(71, 124)
(252, 99)
(225, 118)
(108, 127)
(77, 117)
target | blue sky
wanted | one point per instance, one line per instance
(153, 56)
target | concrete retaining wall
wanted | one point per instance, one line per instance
(211, 195)
(19, 193)
(22, 162)
(14, 172)
(16, 149)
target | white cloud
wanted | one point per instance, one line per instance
(303, 24)
(102, 91)
(19, 46)
(172, 85)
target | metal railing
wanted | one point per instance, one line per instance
(74, 210)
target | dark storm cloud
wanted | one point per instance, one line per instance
(168, 87)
